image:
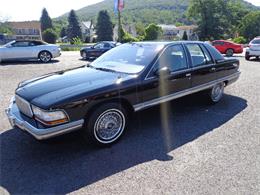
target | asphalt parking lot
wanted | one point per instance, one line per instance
(194, 149)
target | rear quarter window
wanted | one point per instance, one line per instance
(214, 52)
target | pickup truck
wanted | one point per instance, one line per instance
(98, 98)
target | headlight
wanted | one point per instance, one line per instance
(50, 117)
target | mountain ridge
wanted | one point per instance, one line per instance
(145, 11)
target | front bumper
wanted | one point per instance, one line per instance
(16, 120)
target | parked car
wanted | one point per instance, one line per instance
(27, 50)
(227, 47)
(93, 52)
(100, 97)
(253, 49)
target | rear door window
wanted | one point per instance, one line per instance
(197, 55)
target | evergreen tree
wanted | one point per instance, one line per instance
(73, 30)
(185, 36)
(104, 27)
(45, 20)
(63, 32)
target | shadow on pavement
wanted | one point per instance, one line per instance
(67, 164)
(6, 63)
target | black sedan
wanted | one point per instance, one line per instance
(100, 97)
(97, 50)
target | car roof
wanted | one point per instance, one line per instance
(168, 42)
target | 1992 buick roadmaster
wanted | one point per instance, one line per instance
(98, 98)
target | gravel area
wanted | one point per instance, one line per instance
(183, 147)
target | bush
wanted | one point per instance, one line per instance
(49, 35)
(76, 41)
(152, 32)
(240, 40)
(128, 38)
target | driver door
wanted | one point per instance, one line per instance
(171, 74)
(18, 50)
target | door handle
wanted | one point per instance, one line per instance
(188, 74)
(213, 69)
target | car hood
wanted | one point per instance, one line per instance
(70, 85)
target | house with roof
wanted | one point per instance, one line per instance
(88, 31)
(171, 32)
(29, 30)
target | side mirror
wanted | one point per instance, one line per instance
(162, 72)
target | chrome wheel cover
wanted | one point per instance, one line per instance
(45, 56)
(109, 126)
(217, 92)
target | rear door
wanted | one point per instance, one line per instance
(178, 79)
(203, 66)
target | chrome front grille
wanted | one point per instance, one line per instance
(23, 106)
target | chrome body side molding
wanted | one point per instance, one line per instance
(179, 94)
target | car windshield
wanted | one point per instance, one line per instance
(256, 41)
(129, 58)
(9, 43)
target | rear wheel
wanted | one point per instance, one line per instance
(106, 124)
(45, 56)
(229, 52)
(216, 92)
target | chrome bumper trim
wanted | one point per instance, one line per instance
(40, 134)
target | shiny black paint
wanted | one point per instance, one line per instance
(78, 91)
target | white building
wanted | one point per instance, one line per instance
(88, 31)
(171, 32)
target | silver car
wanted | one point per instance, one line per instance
(25, 50)
(254, 49)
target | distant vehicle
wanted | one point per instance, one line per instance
(254, 49)
(227, 47)
(27, 50)
(100, 98)
(97, 50)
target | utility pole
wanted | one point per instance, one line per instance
(119, 22)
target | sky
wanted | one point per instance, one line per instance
(23, 10)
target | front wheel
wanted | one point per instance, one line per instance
(216, 92)
(106, 124)
(45, 56)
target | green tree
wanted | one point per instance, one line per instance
(250, 25)
(73, 29)
(140, 29)
(104, 27)
(49, 35)
(152, 32)
(185, 36)
(217, 19)
(45, 20)
(63, 32)
(6, 29)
